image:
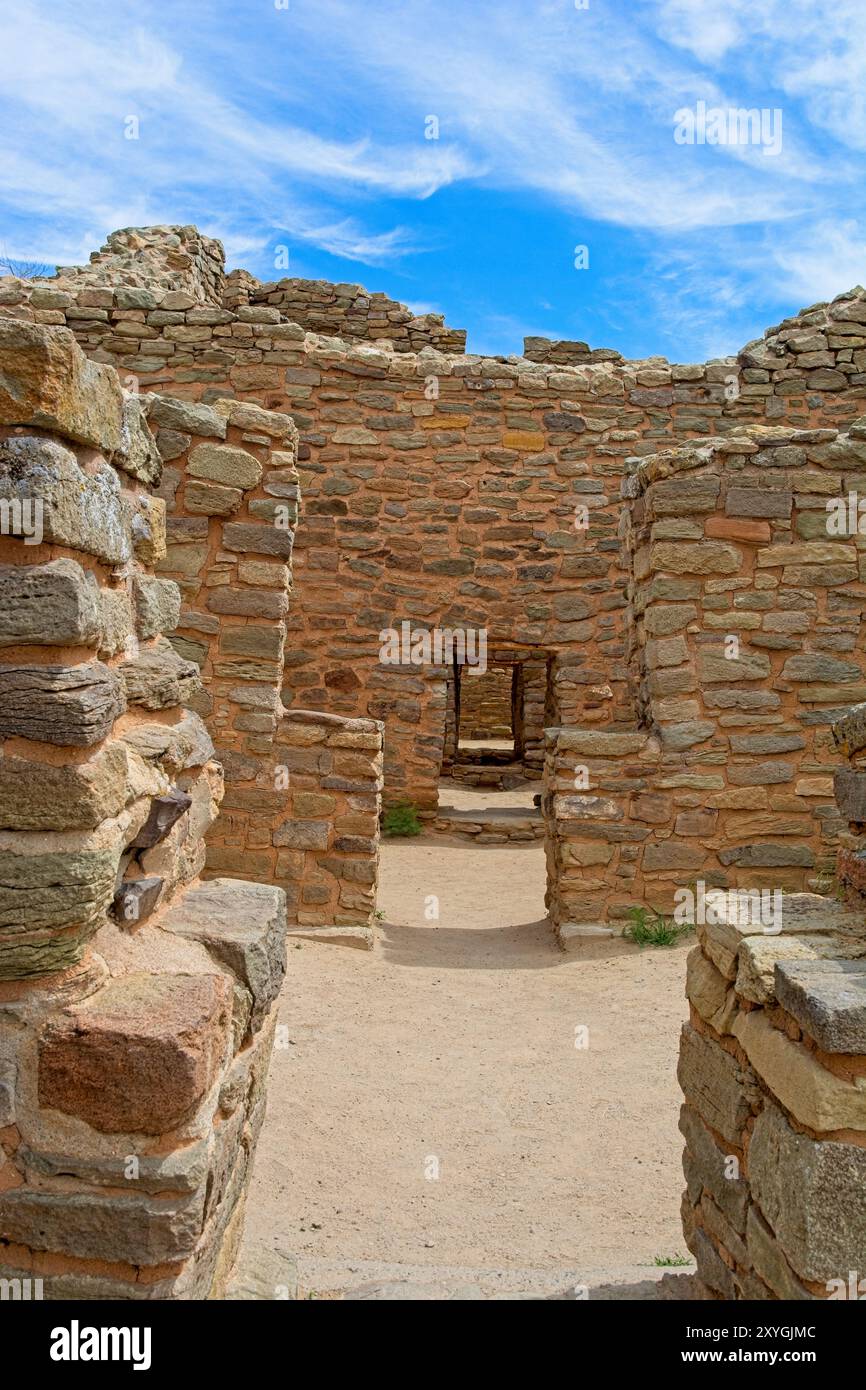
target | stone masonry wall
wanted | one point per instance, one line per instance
(772, 1064)
(449, 490)
(746, 643)
(135, 1001)
(231, 486)
(346, 311)
(485, 704)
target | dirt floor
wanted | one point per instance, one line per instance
(432, 1116)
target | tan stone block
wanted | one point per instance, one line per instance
(807, 553)
(816, 1097)
(709, 991)
(524, 440)
(739, 799)
(705, 557)
(814, 786)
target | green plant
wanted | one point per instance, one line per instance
(401, 819)
(649, 927)
(670, 1261)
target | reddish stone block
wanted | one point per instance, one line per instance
(140, 1055)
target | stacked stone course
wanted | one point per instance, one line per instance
(746, 644)
(773, 1068)
(135, 1001)
(296, 814)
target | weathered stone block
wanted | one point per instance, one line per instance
(129, 1229)
(828, 1000)
(811, 1193)
(157, 603)
(849, 787)
(46, 381)
(220, 463)
(72, 796)
(158, 678)
(55, 604)
(74, 705)
(813, 1095)
(262, 540)
(715, 1084)
(211, 499)
(243, 925)
(84, 511)
(140, 1055)
(713, 1169)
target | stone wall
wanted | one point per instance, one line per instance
(455, 491)
(485, 703)
(746, 642)
(135, 1001)
(231, 486)
(346, 311)
(772, 1065)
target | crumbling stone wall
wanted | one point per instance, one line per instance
(135, 1001)
(346, 311)
(300, 816)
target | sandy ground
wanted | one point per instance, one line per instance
(450, 1050)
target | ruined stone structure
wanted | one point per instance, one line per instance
(772, 1065)
(301, 806)
(745, 643)
(644, 546)
(135, 1000)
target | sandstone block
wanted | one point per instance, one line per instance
(243, 925)
(46, 381)
(712, 1169)
(158, 678)
(84, 511)
(42, 796)
(811, 1194)
(138, 1056)
(55, 604)
(849, 786)
(157, 603)
(211, 499)
(707, 557)
(828, 1000)
(816, 1097)
(74, 705)
(262, 540)
(136, 1230)
(715, 1085)
(220, 463)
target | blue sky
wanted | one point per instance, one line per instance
(301, 123)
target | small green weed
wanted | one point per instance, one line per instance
(401, 820)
